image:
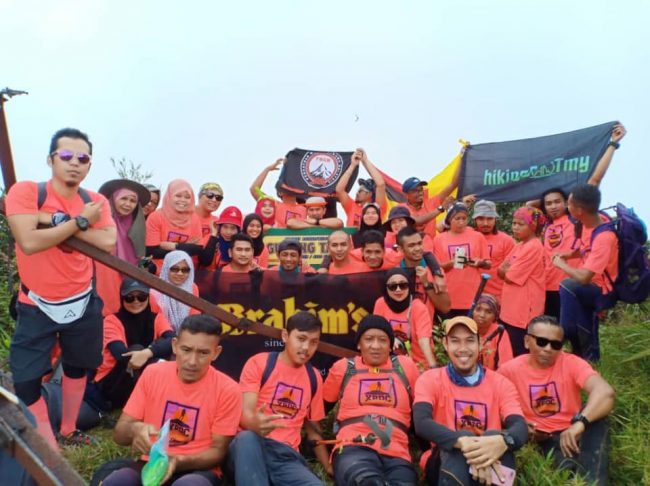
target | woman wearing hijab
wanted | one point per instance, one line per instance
(411, 321)
(176, 226)
(495, 342)
(370, 220)
(127, 199)
(178, 270)
(134, 337)
(219, 243)
(254, 227)
(265, 208)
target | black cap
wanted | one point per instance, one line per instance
(290, 244)
(372, 321)
(130, 285)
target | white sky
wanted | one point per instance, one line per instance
(214, 91)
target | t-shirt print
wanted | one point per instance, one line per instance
(182, 425)
(176, 237)
(402, 330)
(378, 392)
(462, 249)
(287, 399)
(544, 399)
(554, 235)
(470, 416)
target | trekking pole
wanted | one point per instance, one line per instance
(484, 278)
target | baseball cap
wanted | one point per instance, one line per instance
(461, 320)
(315, 201)
(412, 183)
(211, 187)
(230, 215)
(485, 208)
(131, 285)
(290, 244)
(368, 184)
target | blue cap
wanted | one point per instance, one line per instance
(412, 183)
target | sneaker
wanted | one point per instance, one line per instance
(76, 438)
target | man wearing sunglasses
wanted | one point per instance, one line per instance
(210, 197)
(549, 382)
(57, 301)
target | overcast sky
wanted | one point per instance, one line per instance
(214, 91)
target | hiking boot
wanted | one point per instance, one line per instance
(76, 438)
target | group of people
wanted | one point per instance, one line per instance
(508, 379)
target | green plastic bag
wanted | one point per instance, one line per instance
(154, 470)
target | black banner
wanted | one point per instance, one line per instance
(521, 170)
(313, 173)
(271, 297)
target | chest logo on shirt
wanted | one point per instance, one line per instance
(379, 392)
(490, 247)
(287, 400)
(470, 416)
(176, 237)
(544, 399)
(554, 235)
(183, 421)
(461, 250)
(402, 331)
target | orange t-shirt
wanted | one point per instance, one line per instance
(263, 258)
(199, 410)
(353, 211)
(288, 392)
(114, 331)
(228, 269)
(390, 240)
(600, 257)
(497, 343)
(107, 283)
(461, 282)
(524, 298)
(498, 246)
(53, 274)
(430, 204)
(351, 266)
(471, 408)
(373, 393)
(159, 229)
(549, 397)
(284, 212)
(304, 268)
(412, 324)
(559, 237)
(206, 226)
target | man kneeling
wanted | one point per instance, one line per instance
(549, 382)
(203, 404)
(281, 391)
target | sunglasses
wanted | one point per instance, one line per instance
(68, 155)
(543, 342)
(179, 270)
(131, 298)
(397, 286)
(211, 195)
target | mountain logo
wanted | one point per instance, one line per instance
(320, 170)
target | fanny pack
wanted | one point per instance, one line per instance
(63, 311)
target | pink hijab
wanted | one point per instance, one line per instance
(124, 245)
(179, 219)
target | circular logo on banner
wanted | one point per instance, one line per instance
(320, 169)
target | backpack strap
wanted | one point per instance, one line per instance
(397, 368)
(271, 361)
(42, 194)
(350, 371)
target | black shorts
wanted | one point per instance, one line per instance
(36, 335)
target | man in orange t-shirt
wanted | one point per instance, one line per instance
(290, 258)
(241, 254)
(549, 382)
(374, 392)
(470, 413)
(582, 295)
(57, 301)
(202, 405)
(281, 393)
(341, 263)
(210, 197)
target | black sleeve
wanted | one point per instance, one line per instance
(162, 347)
(432, 263)
(515, 427)
(156, 252)
(432, 431)
(117, 348)
(207, 253)
(189, 248)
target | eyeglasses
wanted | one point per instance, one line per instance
(179, 270)
(131, 298)
(211, 195)
(68, 155)
(397, 286)
(543, 342)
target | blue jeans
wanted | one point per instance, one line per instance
(259, 461)
(362, 466)
(579, 317)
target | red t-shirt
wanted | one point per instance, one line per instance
(600, 257)
(498, 245)
(412, 324)
(500, 343)
(471, 408)
(373, 393)
(199, 410)
(288, 392)
(159, 229)
(114, 331)
(549, 397)
(430, 204)
(284, 212)
(461, 282)
(559, 237)
(53, 274)
(524, 298)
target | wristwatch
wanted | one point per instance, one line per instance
(59, 218)
(580, 418)
(82, 223)
(428, 286)
(509, 440)
(441, 208)
(616, 145)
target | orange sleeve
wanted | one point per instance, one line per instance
(439, 249)
(505, 349)
(251, 375)
(154, 229)
(226, 420)
(137, 403)
(579, 369)
(508, 397)
(113, 330)
(264, 258)
(529, 257)
(601, 251)
(421, 318)
(22, 198)
(334, 380)
(161, 325)
(424, 386)
(105, 218)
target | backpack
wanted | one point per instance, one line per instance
(632, 285)
(271, 361)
